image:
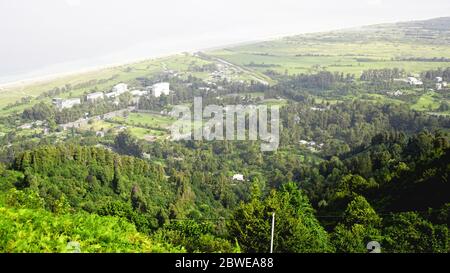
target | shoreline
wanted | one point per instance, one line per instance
(47, 77)
(53, 76)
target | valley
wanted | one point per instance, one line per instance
(364, 148)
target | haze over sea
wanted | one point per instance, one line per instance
(46, 37)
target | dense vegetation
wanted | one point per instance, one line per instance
(356, 163)
(26, 230)
(395, 189)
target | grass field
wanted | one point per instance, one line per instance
(99, 125)
(380, 99)
(427, 102)
(146, 119)
(303, 56)
(136, 123)
(277, 102)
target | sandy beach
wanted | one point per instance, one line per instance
(47, 77)
(53, 76)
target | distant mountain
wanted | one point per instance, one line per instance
(435, 31)
(435, 24)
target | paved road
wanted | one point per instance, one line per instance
(240, 69)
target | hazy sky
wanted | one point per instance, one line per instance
(49, 36)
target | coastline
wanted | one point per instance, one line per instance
(53, 76)
(47, 77)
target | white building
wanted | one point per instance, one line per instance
(117, 90)
(414, 81)
(111, 95)
(440, 85)
(204, 88)
(138, 93)
(92, 97)
(26, 126)
(65, 103)
(120, 88)
(159, 89)
(238, 177)
(303, 142)
(395, 93)
(311, 145)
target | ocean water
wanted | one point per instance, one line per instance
(18, 69)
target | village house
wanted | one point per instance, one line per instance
(138, 93)
(65, 103)
(318, 109)
(121, 128)
(117, 90)
(92, 97)
(26, 126)
(158, 89)
(414, 81)
(238, 177)
(395, 93)
(440, 85)
(311, 145)
(120, 88)
(204, 88)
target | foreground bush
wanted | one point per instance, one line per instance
(26, 230)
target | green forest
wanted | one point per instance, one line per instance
(394, 191)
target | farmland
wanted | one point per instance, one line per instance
(309, 56)
(409, 46)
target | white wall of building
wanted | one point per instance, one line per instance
(94, 96)
(161, 88)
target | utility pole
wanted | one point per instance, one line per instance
(271, 236)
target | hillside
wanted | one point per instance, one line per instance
(362, 149)
(432, 31)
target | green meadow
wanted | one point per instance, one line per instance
(141, 125)
(427, 102)
(298, 56)
(146, 119)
